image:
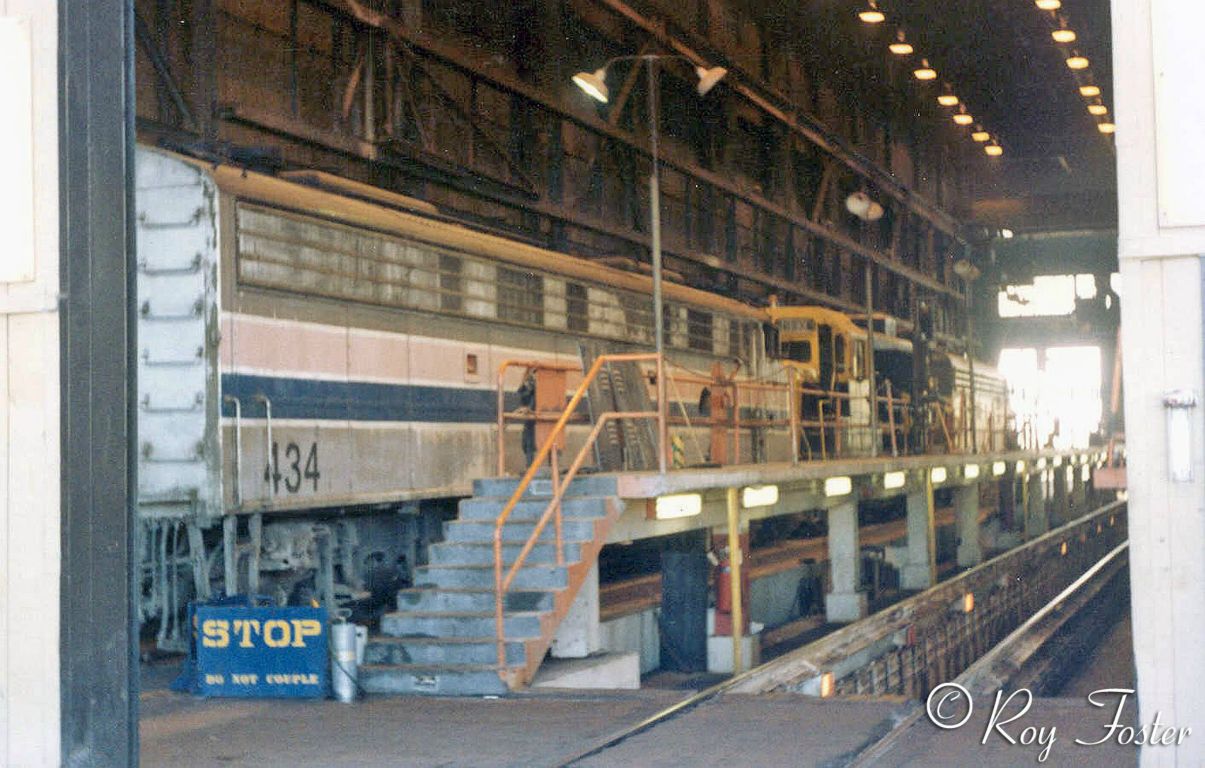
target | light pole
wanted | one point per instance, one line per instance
(595, 84)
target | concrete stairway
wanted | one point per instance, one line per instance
(441, 640)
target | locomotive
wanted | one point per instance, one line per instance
(318, 374)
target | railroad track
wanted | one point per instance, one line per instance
(1007, 657)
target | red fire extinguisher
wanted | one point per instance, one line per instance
(723, 595)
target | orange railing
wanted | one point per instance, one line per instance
(548, 453)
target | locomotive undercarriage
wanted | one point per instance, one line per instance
(346, 559)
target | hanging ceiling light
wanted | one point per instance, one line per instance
(1097, 109)
(872, 14)
(1106, 127)
(924, 71)
(1063, 35)
(994, 150)
(1089, 90)
(900, 47)
(1048, 5)
(593, 83)
(962, 118)
(1077, 62)
(980, 135)
(947, 97)
(708, 77)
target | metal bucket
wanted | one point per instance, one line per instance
(344, 661)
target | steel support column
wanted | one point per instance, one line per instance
(98, 639)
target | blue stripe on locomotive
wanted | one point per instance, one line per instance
(325, 400)
(360, 401)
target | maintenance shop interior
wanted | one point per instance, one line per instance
(602, 382)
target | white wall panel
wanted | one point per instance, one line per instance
(29, 391)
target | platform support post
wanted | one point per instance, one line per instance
(846, 602)
(966, 516)
(1035, 505)
(1062, 500)
(920, 569)
(735, 557)
(1079, 491)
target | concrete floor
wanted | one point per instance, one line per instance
(183, 732)
(544, 728)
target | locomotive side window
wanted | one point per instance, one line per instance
(736, 347)
(698, 330)
(520, 296)
(859, 365)
(451, 288)
(839, 352)
(577, 308)
(799, 351)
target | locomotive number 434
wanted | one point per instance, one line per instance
(293, 473)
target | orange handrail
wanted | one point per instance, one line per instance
(501, 583)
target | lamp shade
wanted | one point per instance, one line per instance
(708, 77)
(593, 83)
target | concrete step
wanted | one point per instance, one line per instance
(520, 529)
(432, 679)
(443, 624)
(583, 485)
(383, 649)
(482, 553)
(489, 507)
(533, 575)
(433, 599)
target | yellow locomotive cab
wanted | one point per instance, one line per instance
(825, 346)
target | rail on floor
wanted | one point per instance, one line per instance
(933, 636)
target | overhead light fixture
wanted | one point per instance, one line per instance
(962, 118)
(900, 47)
(678, 505)
(892, 480)
(1089, 91)
(826, 685)
(872, 14)
(1077, 62)
(1007, 234)
(1063, 35)
(947, 98)
(966, 270)
(1042, 463)
(708, 77)
(998, 468)
(970, 471)
(593, 83)
(1106, 127)
(1020, 466)
(1048, 5)
(759, 496)
(924, 71)
(838, 486)
(1098, 109)
(864, 207)
(1057, 461)
(938, 474)
(980, 135)
(1085, 472)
